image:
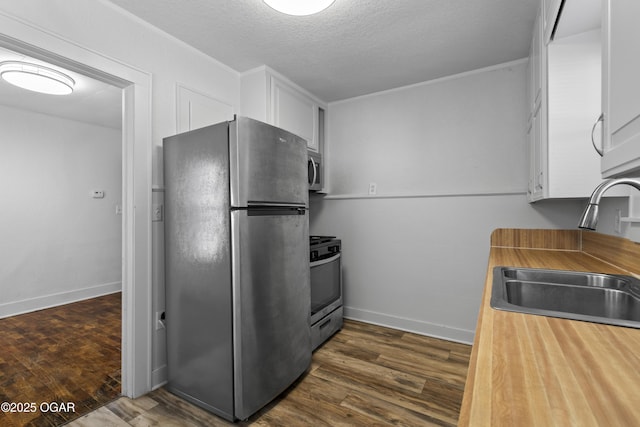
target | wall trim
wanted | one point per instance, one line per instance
(47, 301)
(159, 377)
(410, 325)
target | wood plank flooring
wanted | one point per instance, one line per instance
(65, 354)
(365, 375)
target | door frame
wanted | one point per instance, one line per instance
(136, 182)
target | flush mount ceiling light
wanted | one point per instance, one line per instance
(36, 78)
(299, 7)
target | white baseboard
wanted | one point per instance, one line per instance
(410, 325)
(53, 300)
(159, 377)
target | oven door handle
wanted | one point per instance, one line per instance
(325, 261)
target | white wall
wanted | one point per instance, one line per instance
(463, 134)
(58, 243)
(449, 161)
(628, 207)
(107, 30)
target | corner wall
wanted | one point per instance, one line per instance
(449, 161)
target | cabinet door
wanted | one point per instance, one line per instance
(537, 152)
(537, 124)
(621, 88)
(295, 112)
(536, 63)
(196, 110)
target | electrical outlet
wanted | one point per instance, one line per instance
(617, 225)
(160, 320)
(156, 215)
(373, 188)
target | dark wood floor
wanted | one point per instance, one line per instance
(365, 375)
(66, 354)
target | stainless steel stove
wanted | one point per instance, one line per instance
(326, 288)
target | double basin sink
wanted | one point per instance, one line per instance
(592, 297)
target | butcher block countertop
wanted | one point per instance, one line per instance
(531, 370)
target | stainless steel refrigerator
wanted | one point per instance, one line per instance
(236, 265)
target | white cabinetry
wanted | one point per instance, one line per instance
(272, 98)
(536, 101)
(564, 101)
(295, 112)
(621, 88)
(196, 110)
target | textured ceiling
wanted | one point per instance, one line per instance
(355, 47)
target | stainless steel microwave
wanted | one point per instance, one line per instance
(315, 171)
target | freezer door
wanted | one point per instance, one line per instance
(268, 165)
(272, 300)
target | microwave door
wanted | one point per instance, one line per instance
(314, 171)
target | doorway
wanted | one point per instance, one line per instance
(61, 186)
(136, 174)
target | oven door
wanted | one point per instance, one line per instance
(326, 287)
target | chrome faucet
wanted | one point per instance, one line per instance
(590, 216)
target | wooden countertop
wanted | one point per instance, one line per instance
(531, 370)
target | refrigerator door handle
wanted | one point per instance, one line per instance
(256, 204)
(272, 210)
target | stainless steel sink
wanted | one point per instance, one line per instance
(592, 297)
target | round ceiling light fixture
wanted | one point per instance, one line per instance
(36, 78)
(299, 7)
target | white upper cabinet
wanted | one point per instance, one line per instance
(295, 112)
(564, 101)
(574, 99)
(621, 88)
(196, 110)
(272, 98)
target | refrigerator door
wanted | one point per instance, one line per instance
(198, 268)
(272, 300)
(268, 165)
